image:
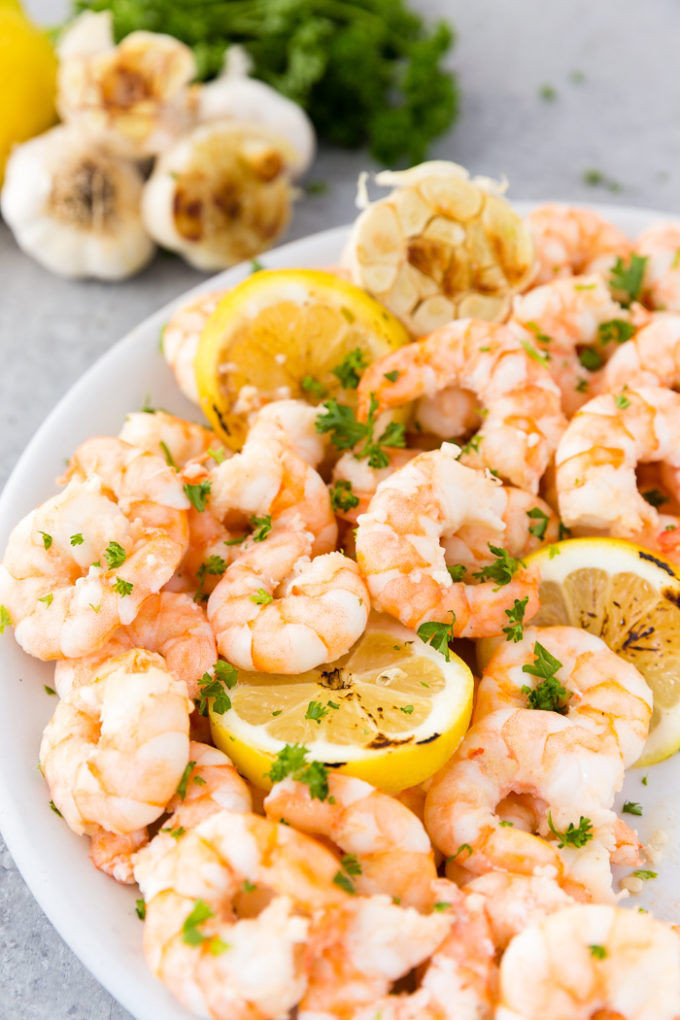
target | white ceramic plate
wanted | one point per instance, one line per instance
(95, 916)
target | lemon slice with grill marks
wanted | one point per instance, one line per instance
(629, 597)
(391, 711)
(288, 333)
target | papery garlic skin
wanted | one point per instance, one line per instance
(134, 98)
(235, 97)
(75, 209)
(221, 195)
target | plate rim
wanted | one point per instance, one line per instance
(26, 856)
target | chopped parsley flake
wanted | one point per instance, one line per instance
(169, 459)
(645, 875)
(316, 711)
(115, 555)
(438, 635)
(49, 690)
(391, 376)
(193, 937)
(626, 280)
(549, 695)
(631, 807)
(350, 368)
(261, 597)
(615, 331)
(463, 848)
(542, 520)
(182, 785)
(342, 497)
(5, 619)
(655, 498)
(574, 835)
(350, 864)
(262, 526)
(504, 568)
(622, 401)
(541, 357)
(406, 709)
(219, 456)
(590, 359)
(292, 761)
(56, 810)
(213, 686)
(312, 386)
(140, 909)
(599, 952)
(344, 882)
(198, 494)
(457, 572)
(548, 93)
(76, 539)
(47, 599)
(256, 266)
(346, 432)
(441, 906)
(515, 629)
(47, 539)
(122, 587)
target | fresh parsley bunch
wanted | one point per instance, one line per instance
(367, 71)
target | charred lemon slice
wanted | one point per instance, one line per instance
(391, 711)
(630, 598)
(288, 333)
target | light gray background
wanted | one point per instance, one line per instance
(621, 120)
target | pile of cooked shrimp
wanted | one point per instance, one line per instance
(166, 563)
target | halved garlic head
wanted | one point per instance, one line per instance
(133, 98)
(220, 195)
(439, 247)
(235, 97)
(74, 208)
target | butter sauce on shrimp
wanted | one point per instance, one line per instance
(399, 549)
(521, 403)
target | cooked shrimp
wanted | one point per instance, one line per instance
(451, 411)
(114, 854)
(650, 358)
(144, 486)
(115, 749)
(602, 692)
(358, 950)
(293, 423)
(569, 240)
(78, 567)
(523, 420)
(529, 522)
(268, 479)
(392, 850)
(235, 966)
(172, 438)
(460, 977)
(180, 336)
(279, 611)
(597, 456)
(513, 902)
(356, 479)
(400, 555)
(567, 314)
(567, 770)
(660, 245)
(592, 961)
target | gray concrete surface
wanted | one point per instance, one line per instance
(612, 65)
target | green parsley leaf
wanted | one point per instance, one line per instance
(574, 835)
(342, 497)
(140, 909)
(626, 280)
(198, 494)
(538, 332)
(311, 385)
(344, 882)
(256, 266)
(5, 619)
(122, 587)
(549, 695)
(599, 952)
(190, 933)
(548, 93)
(615, 331)
(175, 833)
(541, 357)
(542, 520)
(562, 532)
(235, 541)
(506, 824)
(464, 847)
(457, 572)
(438, 635)
(502, 570)
(645, 875)
(115, 555)
(316, 711)
(340, 422)
(218, 455)
(76, 539)
(49, 690)
(169, 459)
(261, 597)
(350, 368)
(644, 780)
(622, 401)
(262, 526)
(406, 709)
(441, 906)
(351, 864)
(292, 761)
(472, 445)
(249, 886)
(182, 785)
(47, 539)
(213, 686)
(47, 599)
(631, 807)
(590, 358)
(581, 386)
(515, 630)
(56, 810)
(391, 376)
(655, 498)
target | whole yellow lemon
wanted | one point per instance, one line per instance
(28, 67)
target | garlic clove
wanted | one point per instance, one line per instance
(133, 98)
(222, 194)
(248, 101)
(75, 209)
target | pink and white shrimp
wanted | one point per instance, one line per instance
(392, 851)
(570, 240)
(400, 554)
(650, 358)
(522, 404)
(660, 246)
(279, 611)
(180, 337)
